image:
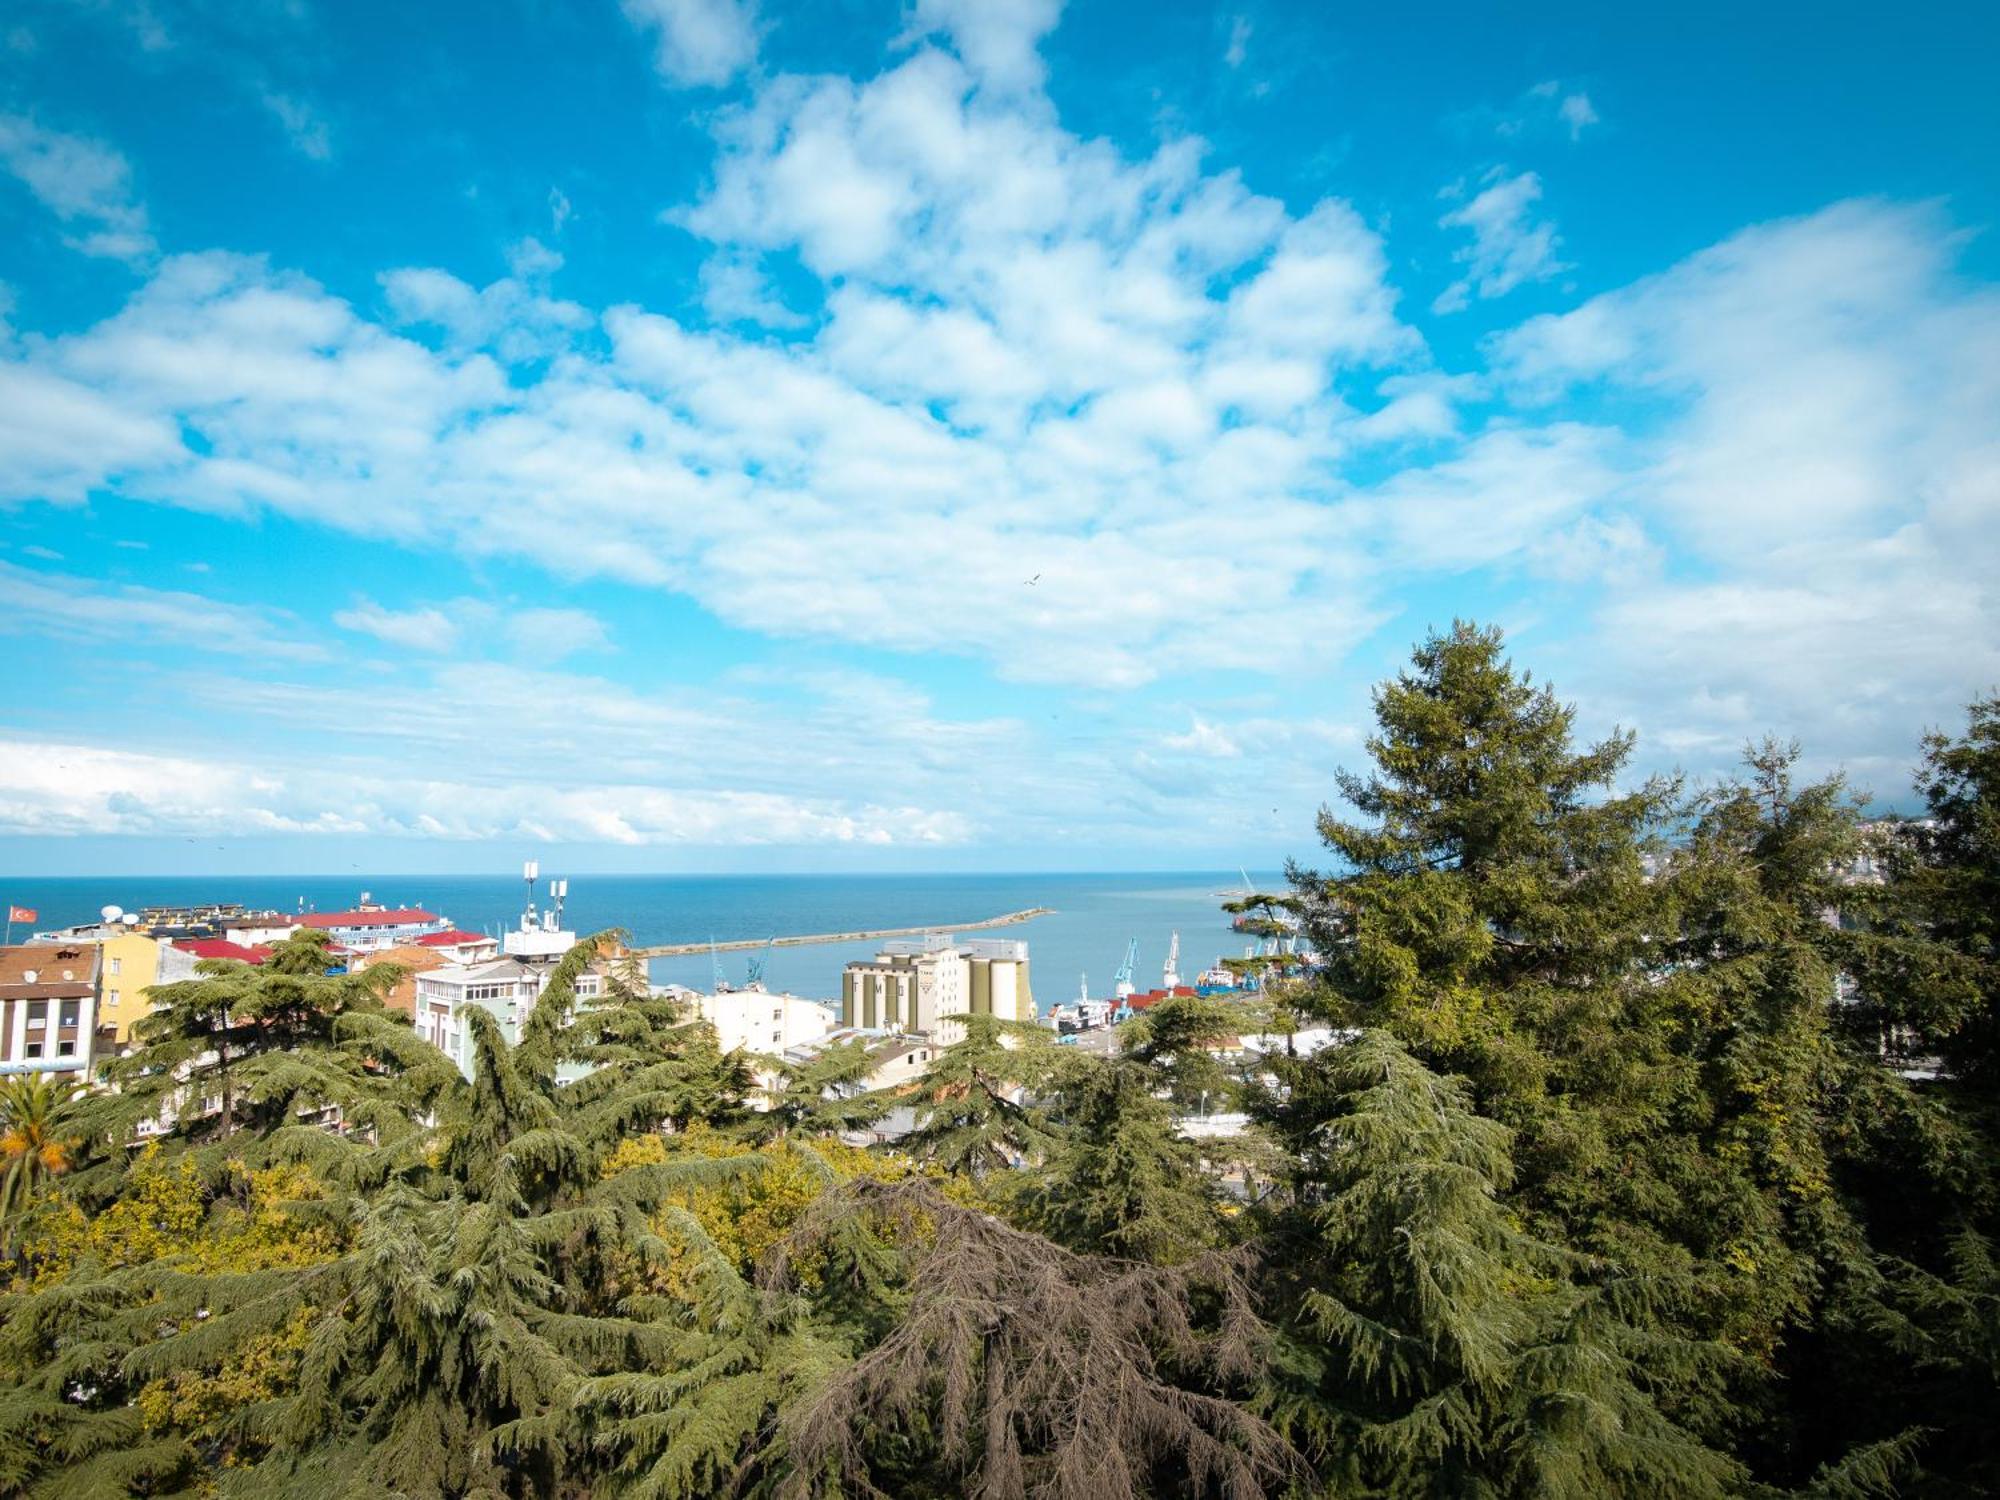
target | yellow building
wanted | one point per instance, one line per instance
(129, 968)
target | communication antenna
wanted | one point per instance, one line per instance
(559, 893)
(531, 871)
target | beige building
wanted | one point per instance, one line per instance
(915, 986)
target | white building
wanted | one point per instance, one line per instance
(258, 929)
(505, 988)
(913, 985)
(371, 925)
(758, 1021)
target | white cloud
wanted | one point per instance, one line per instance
(1000, 40)
(1576, 112)
(1203, 738)
(1509, 246)
(701, 42)
(1193, 416)
(1239, 41)
(82, 182)
(515, 316)
(537, 632)
(304, 126)
(1549, 105)
(551, 635)
(57, 788)
(1821, 397)
(427, 630)
(55, 604)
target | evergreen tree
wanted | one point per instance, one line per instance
(1495, 913)
(977, 1109)
(825, 1095)
(245, 1047)
(1121, 1180)
(1440, 1348)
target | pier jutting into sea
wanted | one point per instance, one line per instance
(808, 939)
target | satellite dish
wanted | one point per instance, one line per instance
(112, 913)
(130, 919)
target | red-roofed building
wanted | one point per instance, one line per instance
(222, 948)
(368, 927)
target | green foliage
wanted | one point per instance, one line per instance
(976, 1109)
(38, 1139)
(1437, 1337)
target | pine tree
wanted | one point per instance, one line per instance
(1015, 1368)
(1495, 913)
(824, 1095)
(1439, 1347)
(244, 1047)
(1122, 1180)
(977, 1109)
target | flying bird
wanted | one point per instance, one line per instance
(1035, 580)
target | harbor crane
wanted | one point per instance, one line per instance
(756, 965)
(1124, 985)
(715, 966)
(1170, 977)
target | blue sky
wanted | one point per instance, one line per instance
(687, 434)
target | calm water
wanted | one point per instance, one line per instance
(1094, 915)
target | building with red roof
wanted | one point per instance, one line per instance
(368, 926)
(222, 948)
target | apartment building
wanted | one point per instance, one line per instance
(48, 1008)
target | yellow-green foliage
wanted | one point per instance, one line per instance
(745, 1216)
(165, 1214)
(195, 1401)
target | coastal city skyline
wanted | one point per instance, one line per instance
(943, 436)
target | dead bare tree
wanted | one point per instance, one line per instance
(1041, 1374)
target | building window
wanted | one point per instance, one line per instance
(111, 998)
(69, 1013)
(66, 1049)
(36, 1020)
(116, 963)
(33, 1049)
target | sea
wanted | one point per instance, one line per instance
(1082, 941)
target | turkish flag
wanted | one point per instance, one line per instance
(20, 914)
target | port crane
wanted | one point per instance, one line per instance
(1123, 985)
(715, 966)
(756, 965)
(1170, 977)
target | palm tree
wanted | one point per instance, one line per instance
(36, 1140)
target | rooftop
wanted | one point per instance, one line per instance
(48, 971)
(380, 916)
(222, 948)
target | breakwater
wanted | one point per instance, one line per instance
(810, 939)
